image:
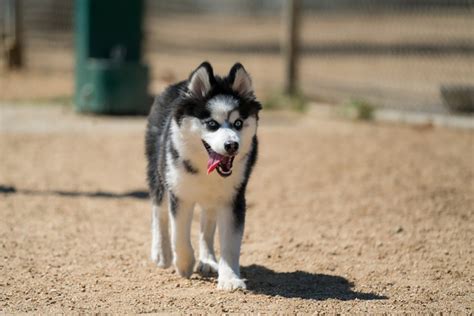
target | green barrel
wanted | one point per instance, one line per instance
(110, 77)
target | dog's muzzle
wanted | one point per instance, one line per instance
(223, 164)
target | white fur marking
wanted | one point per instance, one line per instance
(181, 238)
(160, 244)
(220, 107)
(234, 116)
(218, 138)
(207, 258)
(230, 241)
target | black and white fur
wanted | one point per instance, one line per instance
(178, 137)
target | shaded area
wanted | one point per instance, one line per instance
(342, 49)
(7, 189)
(137, 194)
(301, 284)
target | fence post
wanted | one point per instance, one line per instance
(291, 45)
(13, 40)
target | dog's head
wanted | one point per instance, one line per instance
(222, 112)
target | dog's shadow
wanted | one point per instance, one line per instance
(137, 194)
(301, 284)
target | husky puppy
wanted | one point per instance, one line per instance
(201, 146)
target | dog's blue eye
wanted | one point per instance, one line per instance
(238, 124)
(212, 125)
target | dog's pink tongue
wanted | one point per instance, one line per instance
(213, 162)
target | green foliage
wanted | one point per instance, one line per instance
(282, 101)
(63, 100)
(359, 109)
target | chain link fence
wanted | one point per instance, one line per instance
(392, 53)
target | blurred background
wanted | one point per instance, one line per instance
(391, 53)
(345, 216)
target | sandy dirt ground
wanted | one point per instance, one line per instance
(343, 217)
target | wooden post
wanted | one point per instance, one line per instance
(13, 41)
(291, 45)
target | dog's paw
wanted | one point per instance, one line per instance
(161, 260)
(207, 267)
(231, 284)
(185, 266)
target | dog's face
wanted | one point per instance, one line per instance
(222, 112)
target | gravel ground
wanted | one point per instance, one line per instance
(344, 217)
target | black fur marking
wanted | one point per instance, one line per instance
(239, 203)
(157, 129)
(174, 152)
(233, 71)
(239, 208)
(174, 203)
(189, 167)
(253, 154)
(194, 106)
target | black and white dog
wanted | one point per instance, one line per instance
(204, 124)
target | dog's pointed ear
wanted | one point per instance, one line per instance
(240, 80)
(201, 80)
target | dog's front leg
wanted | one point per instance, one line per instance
(230, 236)
(181, 213)
(160, 243)
(207, 258)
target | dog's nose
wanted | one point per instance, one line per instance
(231, 147)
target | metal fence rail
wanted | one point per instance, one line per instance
(391, 53)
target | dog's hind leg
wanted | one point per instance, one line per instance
(207, 258)
(160, 243)
(181, 217)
